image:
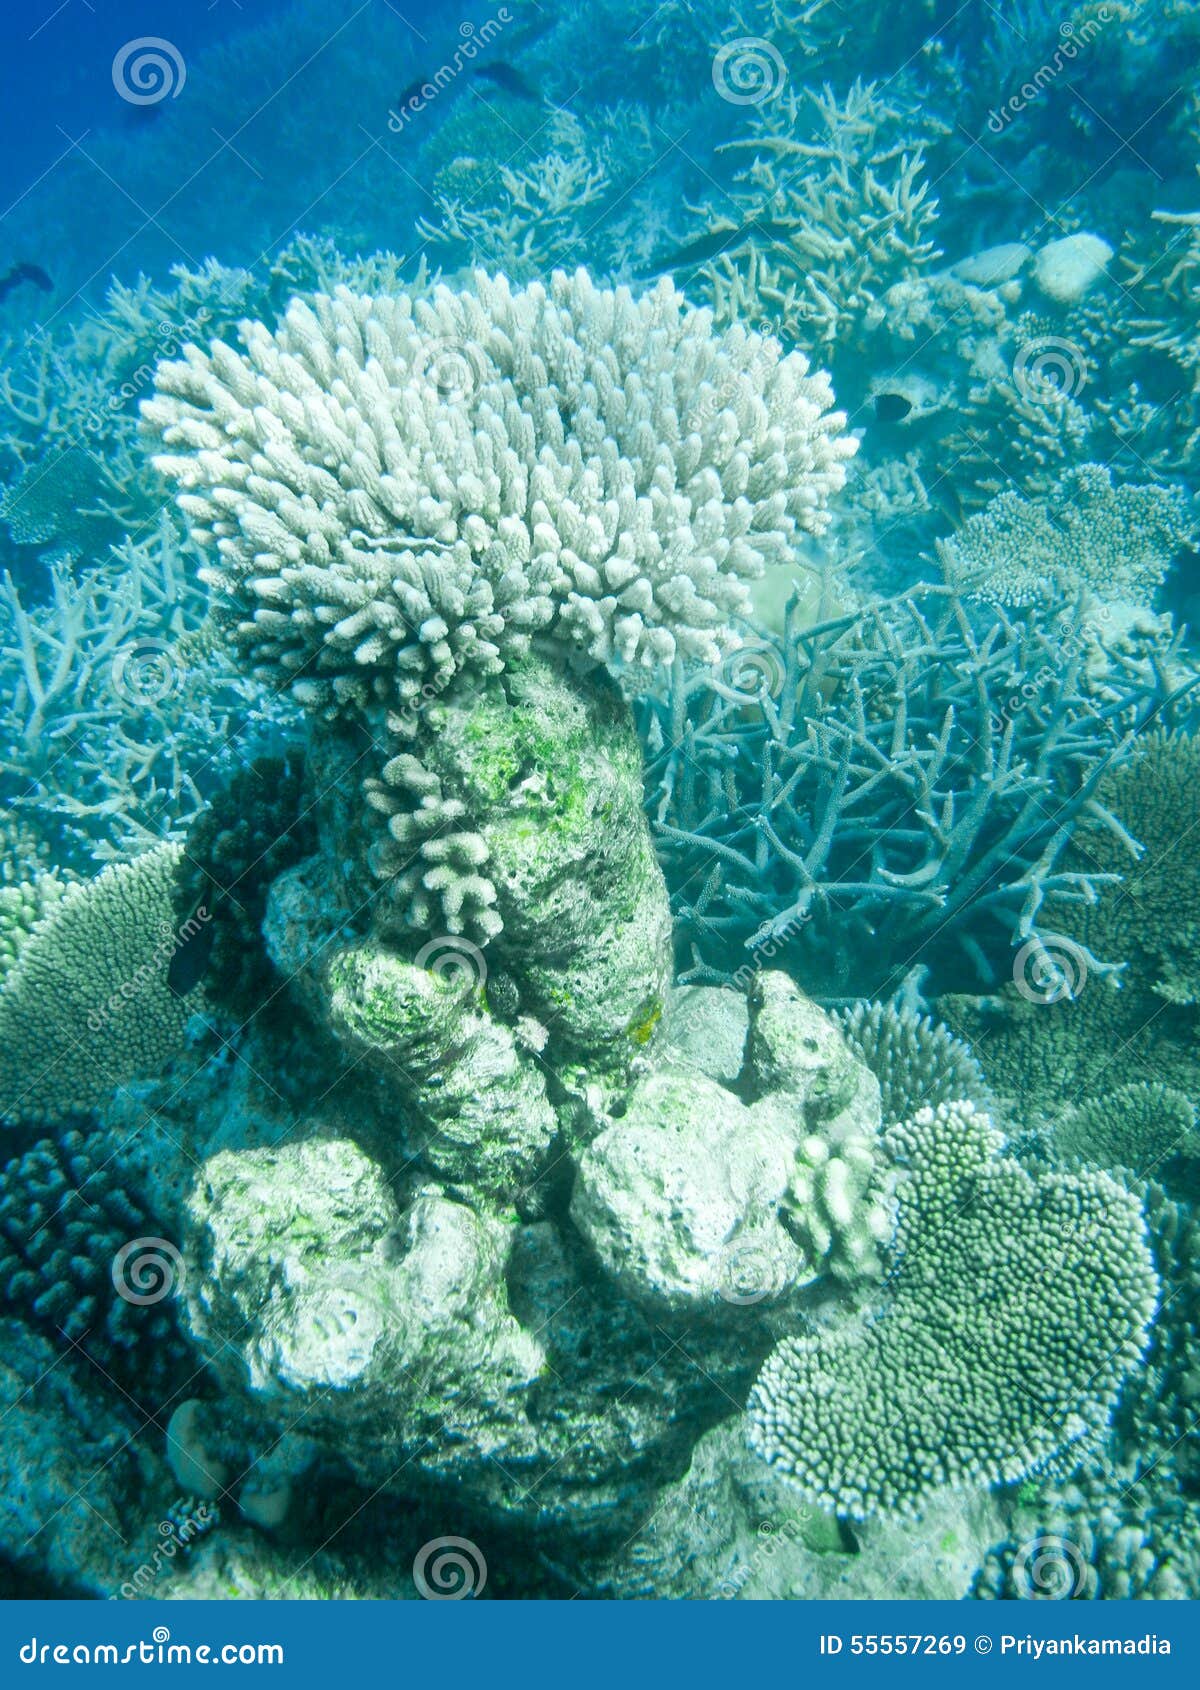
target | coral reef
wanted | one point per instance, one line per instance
(979, 1381)
(531, 664)
(893, 785)
(86, 1005)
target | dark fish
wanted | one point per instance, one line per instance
(411, 92)
(507, 77)
(891, 407)
(25, 273)
(692, 254)
(190, 962)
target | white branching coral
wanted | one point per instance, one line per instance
(398, 488)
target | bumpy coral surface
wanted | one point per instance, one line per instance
(439, 479)
(87, 1006)
(964, 1377)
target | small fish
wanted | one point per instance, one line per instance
(190, 962)
(692, 254)
(411, 92)
(507, 77)
(891, 407)
(25, 273)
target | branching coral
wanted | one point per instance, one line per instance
(1149, 920)
(844, 216)
(118, 708)
(965, 1376)
(903, 782)
(1116, 542)
(441, 479)
(86, 1005)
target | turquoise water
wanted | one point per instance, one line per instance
(600, 923)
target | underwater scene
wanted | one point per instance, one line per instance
(600, 800)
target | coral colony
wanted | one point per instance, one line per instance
(600, 920)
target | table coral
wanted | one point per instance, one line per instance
(962, 1377)
(1115, 541)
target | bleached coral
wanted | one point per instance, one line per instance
(397, 490)
(117, 708)
(1116, 541)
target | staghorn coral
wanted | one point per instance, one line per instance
(118, 710)
(898, 783)
(1115, 542)
(86, 1006)
(845, 216)
(963, 1378)
(1143, 1020)
(577, 504)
